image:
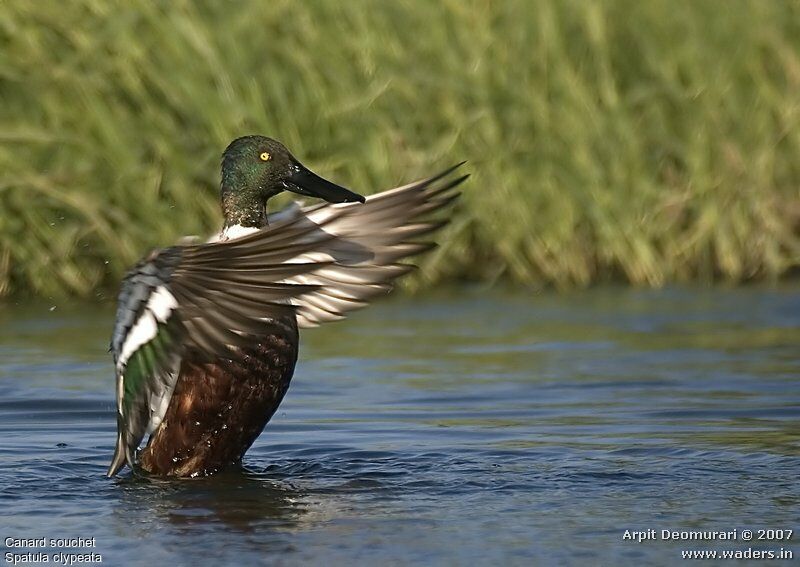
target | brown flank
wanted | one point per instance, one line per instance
(218, 409)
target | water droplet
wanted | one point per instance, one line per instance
(197, 423)
(174, 459)
(224, 426)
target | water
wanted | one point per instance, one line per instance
(474, 428)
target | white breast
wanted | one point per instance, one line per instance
(233, 232)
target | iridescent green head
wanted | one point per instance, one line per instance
(255, 168)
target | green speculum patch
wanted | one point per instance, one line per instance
(149, 360)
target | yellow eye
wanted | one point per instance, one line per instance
(265, 156)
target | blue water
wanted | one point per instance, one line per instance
(468, 428)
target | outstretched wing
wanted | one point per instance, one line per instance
(211, 299)
(368, 241)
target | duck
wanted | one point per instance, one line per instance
(206, 335)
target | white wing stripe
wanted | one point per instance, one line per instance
(159, 307)
(161, 303)
(142, 331)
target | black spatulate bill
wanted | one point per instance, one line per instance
(306, 182)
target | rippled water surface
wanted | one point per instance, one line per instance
(473, 428)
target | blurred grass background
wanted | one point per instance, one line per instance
(648, 142)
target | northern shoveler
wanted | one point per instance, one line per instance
(206, 335)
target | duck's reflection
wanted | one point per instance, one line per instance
(239, 499)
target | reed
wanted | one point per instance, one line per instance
(648, 142)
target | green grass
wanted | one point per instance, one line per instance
(648, 142)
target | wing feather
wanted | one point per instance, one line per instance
(369, 242)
